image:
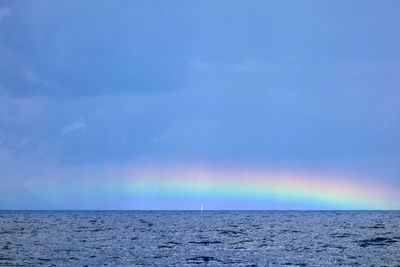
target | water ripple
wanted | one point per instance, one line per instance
(168, 238)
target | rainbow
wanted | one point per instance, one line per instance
(298, 190)
(320, 190)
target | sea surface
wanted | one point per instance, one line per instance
(179, 238)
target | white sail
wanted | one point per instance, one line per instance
(201, 207)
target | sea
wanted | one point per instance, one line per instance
(208, 238)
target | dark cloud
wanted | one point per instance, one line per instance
(251, 82)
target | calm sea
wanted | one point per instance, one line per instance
(176, 238)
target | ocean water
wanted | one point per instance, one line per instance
(179, 238)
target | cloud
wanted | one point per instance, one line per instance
(241, 67)
(11, 141)
(4, 12)
(76, 126)
(33, 78)
(24, 141)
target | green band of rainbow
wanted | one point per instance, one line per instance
(317, 190)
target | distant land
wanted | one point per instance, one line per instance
(22, 199)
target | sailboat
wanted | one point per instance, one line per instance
(201, 207)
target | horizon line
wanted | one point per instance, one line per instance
(197, 210)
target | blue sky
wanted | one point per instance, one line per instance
(311, 85)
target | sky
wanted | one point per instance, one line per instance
(170, 104)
